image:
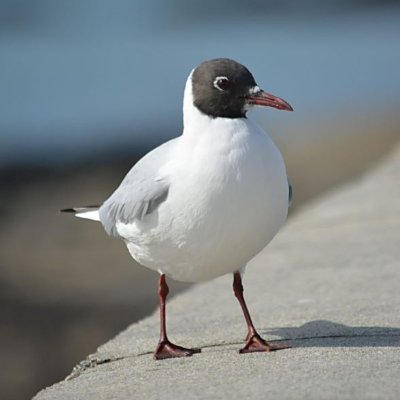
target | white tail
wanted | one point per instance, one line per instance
(85, 212)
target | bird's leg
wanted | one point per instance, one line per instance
(165, 348)
(253, 342)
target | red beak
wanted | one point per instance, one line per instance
(265, 99)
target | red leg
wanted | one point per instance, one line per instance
(165, 348)
(254, 342)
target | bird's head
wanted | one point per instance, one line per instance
(225, 88)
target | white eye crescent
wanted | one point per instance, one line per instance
(221, 83)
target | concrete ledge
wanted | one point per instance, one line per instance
(329, 284)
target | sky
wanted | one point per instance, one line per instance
(78, 77)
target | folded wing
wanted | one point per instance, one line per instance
(143, 189)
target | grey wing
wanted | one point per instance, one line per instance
(290, 193)
(140, 193)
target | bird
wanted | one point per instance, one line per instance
(205, 203)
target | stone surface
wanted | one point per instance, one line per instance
(328, 284)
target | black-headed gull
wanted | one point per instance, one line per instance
(205, 203)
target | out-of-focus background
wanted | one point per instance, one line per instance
(88, 87)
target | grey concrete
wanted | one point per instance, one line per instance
(329, 284)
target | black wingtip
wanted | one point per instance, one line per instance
(79, 209)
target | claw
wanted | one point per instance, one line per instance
(256, 343)
(166, 349)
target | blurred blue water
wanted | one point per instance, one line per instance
(77, 77)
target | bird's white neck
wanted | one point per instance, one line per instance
(193, 118)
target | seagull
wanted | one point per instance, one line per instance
(204, 204)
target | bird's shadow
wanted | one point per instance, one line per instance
(331, 334)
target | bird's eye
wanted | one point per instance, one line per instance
(221, 83)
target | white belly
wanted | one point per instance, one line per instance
(227, 200)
